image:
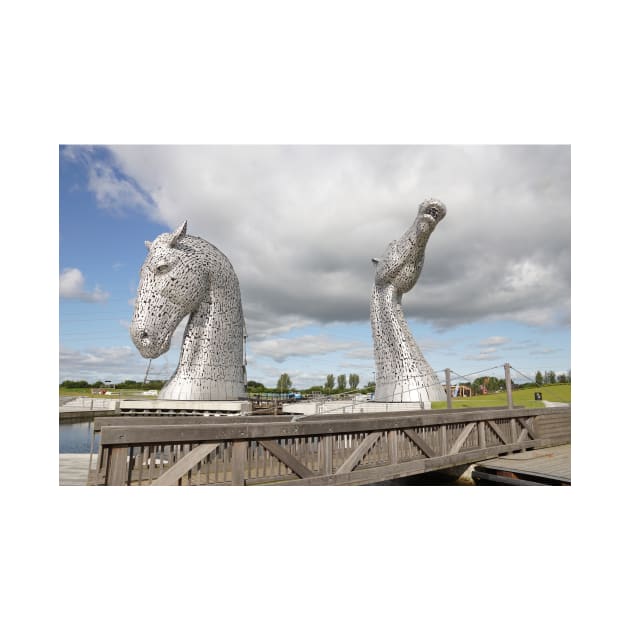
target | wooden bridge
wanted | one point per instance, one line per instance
(345, 449)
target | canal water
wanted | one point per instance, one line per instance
(75, 438)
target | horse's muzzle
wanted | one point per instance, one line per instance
(148, 346)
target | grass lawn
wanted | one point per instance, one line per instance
(78, 391)
(560, 392)
(87, 391)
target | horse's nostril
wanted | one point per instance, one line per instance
(144, 334)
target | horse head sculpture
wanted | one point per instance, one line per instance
(185, 275)
(402, 372)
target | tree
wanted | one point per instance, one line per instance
(284, 383)
(353, 381)
(491, 383)
(341, 382)
(75, 384)
(330, 383)
(539, 378)
(550, 377)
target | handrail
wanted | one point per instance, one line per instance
(345, 448)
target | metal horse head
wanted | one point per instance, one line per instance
(173, 281)
(402, 262)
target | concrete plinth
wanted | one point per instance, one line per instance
(350, 406)
(186, 407)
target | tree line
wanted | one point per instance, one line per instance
(102, 385)
(332, 385)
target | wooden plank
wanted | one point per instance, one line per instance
(234, 431)
(104, 419)
(551, 463)
(327, 445)
(404, 469)
(286, 458)
(528, 424)
(392, 446)
(239, 457)
(461, 438)
(443, 442)
(179, 469)
(140, 421)
(420, 443)
(117, 467)
(481, 434)
(498, 431)
(358, 454)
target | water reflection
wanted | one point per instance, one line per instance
(75, 438)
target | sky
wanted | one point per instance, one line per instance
(300, 224)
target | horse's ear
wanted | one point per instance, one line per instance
(178, 233)
(148, 245)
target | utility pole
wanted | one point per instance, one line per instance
(449, 396)
(508, 385)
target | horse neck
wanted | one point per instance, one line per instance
(215, 329)
(393, 341)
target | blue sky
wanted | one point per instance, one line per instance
(300, 224)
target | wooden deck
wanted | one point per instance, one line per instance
(547, 466)
(73, 469)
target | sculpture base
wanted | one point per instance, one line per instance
(186, 407)
(351, 406)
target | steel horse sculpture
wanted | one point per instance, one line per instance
(402, 372)
(184, 275)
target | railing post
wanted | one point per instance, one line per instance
(239, 459)
(449, 396)
(443, 443)
(117, 468)
(327, 445)
(508, 385)
(481, 433)
(392, 442)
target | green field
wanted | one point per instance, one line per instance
(87, 391)
(560, 392)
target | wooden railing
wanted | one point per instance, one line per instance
(330, 450)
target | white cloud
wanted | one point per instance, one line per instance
(72, 287)
(482, 356)
(100, 363)
(279, 349)
(494, 341)
(300, 224)
(112, 189)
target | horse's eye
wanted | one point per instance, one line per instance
(163, 268)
